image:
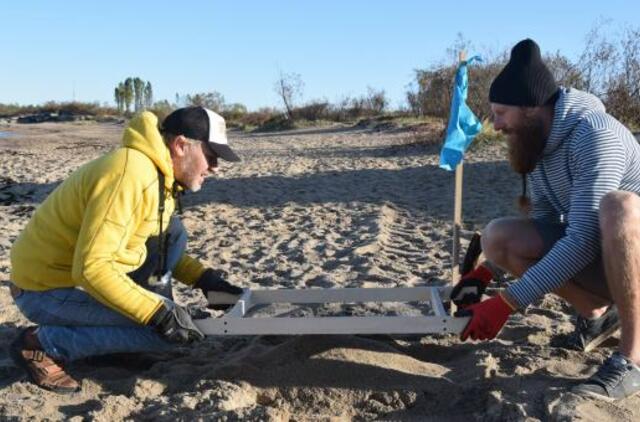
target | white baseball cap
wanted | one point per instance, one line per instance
(203, 125)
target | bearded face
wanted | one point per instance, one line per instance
(526, 143)
(526, 137)
(191, 162)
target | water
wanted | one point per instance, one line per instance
(5, 134)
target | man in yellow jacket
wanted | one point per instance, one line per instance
(93, 266)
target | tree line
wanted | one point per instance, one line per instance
(608, 66)
(133, 91)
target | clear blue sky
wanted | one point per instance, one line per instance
(53, 49)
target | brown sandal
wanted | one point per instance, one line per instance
(26, 351)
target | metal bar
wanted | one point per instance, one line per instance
(345, 295)
(241, 307)
(221, 298)
(436, 302)
(445, 291)
(236, 322)
(332, 325)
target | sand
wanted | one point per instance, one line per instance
(315, 208)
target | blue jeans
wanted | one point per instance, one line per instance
(73, 325)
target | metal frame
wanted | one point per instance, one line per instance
(237, 321)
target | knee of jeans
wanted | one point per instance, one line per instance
(176, 228)
(177, 235)
(29, 308)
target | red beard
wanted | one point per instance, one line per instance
(526, 144)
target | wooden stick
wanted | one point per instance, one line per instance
(457, 216)
(457, 225)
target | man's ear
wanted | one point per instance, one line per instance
(177, 146)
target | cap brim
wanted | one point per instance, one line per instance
(224, 152)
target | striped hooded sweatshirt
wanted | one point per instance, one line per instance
(588, 154)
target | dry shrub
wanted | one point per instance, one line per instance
(313, 111)
(608, 67)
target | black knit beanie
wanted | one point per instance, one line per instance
(525, 81)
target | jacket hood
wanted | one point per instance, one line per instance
(571, 107)
(143, 135)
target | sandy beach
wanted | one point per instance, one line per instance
(314, 208)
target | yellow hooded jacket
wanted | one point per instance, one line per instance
(91, 230)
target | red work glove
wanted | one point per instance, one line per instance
(487, 318)
(471, 287)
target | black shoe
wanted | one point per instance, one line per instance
(591, 333)
(616, 379)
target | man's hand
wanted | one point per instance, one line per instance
(214, 281)
(174, 324)
(487, 318)
(471, 287)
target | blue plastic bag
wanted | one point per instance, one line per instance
(463, 124)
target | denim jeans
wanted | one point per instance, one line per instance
(73, 325)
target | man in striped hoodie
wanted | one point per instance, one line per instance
(581, 238)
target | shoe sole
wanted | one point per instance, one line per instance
(592, 395)
(589, 394)
(20, 362)
(597, 341)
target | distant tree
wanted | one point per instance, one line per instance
(564, 72)
(434, 86)
(313, 110)
(211, 100)
(162, 109)
(234, 111)
(597, 63)
(128, 94)
(609, 67)
(412, 95)
(133, 91)
(622, 97)
(289, 88)
(138, 93)
(119, 97)
(459, 44)
(377, 101)
(148, 95)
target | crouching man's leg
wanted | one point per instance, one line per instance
(516, 244)
(619, 375)
(73, 326)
